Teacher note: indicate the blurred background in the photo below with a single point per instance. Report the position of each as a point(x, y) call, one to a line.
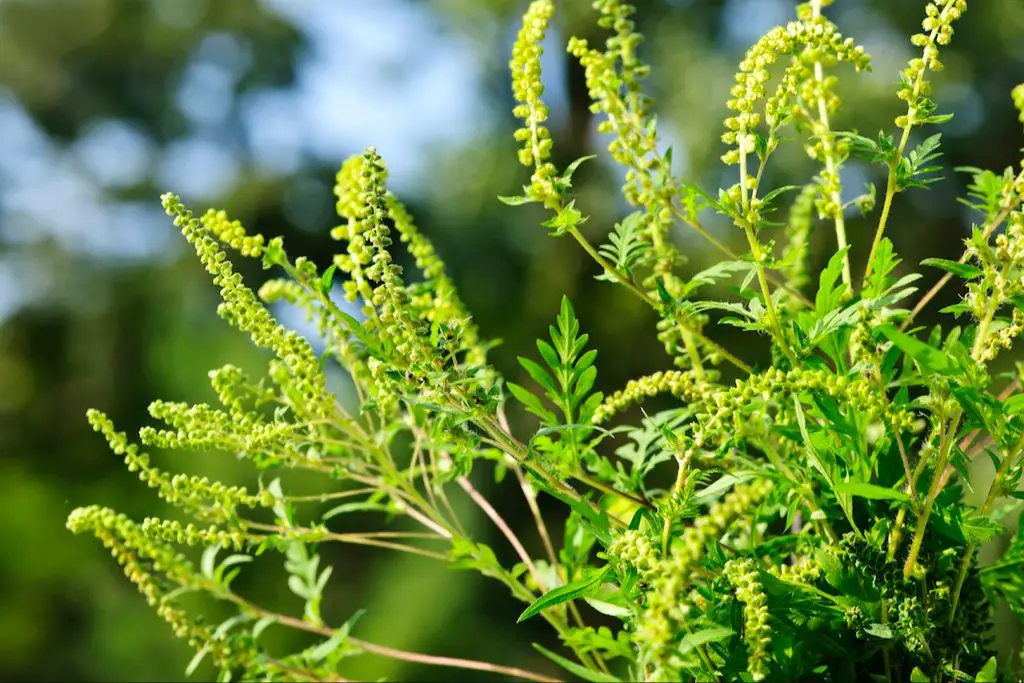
point(251, 105)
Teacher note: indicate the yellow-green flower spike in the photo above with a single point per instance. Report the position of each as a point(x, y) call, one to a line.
point(527, 89)
point(742, 574)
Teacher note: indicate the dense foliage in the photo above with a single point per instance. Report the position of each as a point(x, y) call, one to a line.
point(807, 519)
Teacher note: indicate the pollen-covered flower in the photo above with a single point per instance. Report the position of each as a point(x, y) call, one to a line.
point(527, 88)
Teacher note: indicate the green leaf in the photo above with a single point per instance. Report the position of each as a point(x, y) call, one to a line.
point(608, 608)
point(209, 561)
point(516, 200)
point(883, 631)
point(261, 626)
point(929, 357)
point(989, 673)
point(569, 591)
point(336, 641)
point(327, 279)
point(1014, 404)
point(229, 562)
point(196, 660)
point(865, 490)
point(723, 270)
point(361, 506)
point(574, 668)
point(936, 119)
point(539, 375)
point(566, 220)
point(704, 636)
point(777, 191)
point(626, 248)
point(829, 293)
point(531, 403)
point(918, 676)
point(571, 168)
point(274, 254)
point(961, 270)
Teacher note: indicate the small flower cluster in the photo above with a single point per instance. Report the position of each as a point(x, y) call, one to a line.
point(614, 79)
point(437, 297)
point(798, 233)
point(197, 495)
point(804, 570)
point(1001, 267)
point(636, 549)
point(241, 307)
point(527, 89)
point(375, 278)
point(141, 557)
point(173, 531)
point(825, 428)
point(743, 576)
point(750, 81)
point(233, 234)
point(773, 382)
point(666, 606)
point(938, 27)
point(685, 385)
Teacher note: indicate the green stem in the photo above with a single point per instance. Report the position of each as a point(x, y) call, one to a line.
point(933, 491)
point(993, 493)
point(773, 318)
point(666, 533)
point(890, 192)
point(831, 164)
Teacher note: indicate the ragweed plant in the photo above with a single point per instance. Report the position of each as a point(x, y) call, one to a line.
point(801, 521)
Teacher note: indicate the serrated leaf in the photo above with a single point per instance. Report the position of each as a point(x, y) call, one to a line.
point(531, 403)
point(722, 270)
point(539, 375)
point(569, 591)
point(829, 293)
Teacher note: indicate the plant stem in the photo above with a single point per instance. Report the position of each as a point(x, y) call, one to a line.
point(894, 164)
point(933, 491)
point(390, 652)
point(890, 192)
point(994, 489)
point(830, 159)
point(773, 318)
point(506, 531)
point(684, 468)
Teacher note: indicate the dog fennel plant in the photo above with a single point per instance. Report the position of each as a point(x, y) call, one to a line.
point(803, 521)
